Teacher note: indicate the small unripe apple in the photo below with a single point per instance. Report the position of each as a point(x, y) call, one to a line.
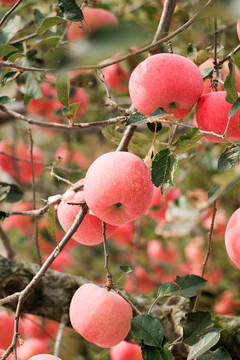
point(126, 351)
point(44, 357)
point(232, 238)
point(165, 80)
point(96, 19)
point(212, 115)
point(100, 316)
point(118, 187)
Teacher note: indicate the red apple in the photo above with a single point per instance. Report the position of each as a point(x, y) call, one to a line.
point(193, 251)
point(44, 357)
point(212, 115)
point(232, 238)
point(37, 327)
point(165, 80)
point(96, 18)
point(75, 157)
point(126, 351)
point(226, 305)
point(118, 187)
point(124, 234)
point(116, 77)
point(139, 282)
point(32, 347)
point(7, 327)
point(90, 230)
point(238, 29)
point(156, 251)
point(222, 74)
point(8, 2)
point(9, 165)
point(100, 316)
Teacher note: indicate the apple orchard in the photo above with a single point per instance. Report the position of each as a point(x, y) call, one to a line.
point(119, 180)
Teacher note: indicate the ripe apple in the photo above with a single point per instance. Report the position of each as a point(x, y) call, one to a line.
point(10, 357)
point(7, 327)
point(8, 2)
point(23, 223)
point(238, 28)
point(100, 316)
point(115, 77)
point(126, 351)
point(232, 238)
point(44, 357)
point(226, 305)
point(9, 165)
point(222, 74)
point(90, 230)
point(118, 187)
point(156, 251)
point(37, 327)
point(124, 234)
point(31, 347)
point(139, 282)
point(212, 115)
point(193, 251)
point(96, 18)
point(165, 80)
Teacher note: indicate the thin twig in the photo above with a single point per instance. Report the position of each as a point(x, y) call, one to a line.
point(215, 61)
point(8, 13)
point(24, 38)
point(209, 249)
point(7, 244)
point(129, 301)
point(109, 284)
point(59, 337)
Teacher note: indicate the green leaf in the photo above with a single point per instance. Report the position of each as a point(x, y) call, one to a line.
point(202, 56)
point(191, 51)
point(234, 109)
point(195, 324)
point(147, 329)
point(11, 29)
point(126, 269)
point(6, 100)
point(72, 111)
point(228, 158)
point(63, 87)
point(186, 286)
point(154, 353)
point(230, 85)
point(187, 141)
point(213, 190)
point(7, 49)
point(52, 222)
point(38, 17)
point(32, 87)
point(71, 11)
point(163, 168)
point(205, 343)
point(10, 192)
point(136, 118)
point(48, 23)
point(219, 354)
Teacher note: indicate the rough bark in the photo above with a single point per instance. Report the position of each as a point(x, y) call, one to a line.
point(53, 294)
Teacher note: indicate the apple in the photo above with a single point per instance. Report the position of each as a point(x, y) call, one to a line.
point(232, 238)
point(193, 251)
point(99, 315)
point(139, 282)
point(115, 77)
point(126, 351)
point(222, 74)
point(90, 230)
point(7, 327)
point(10, 357)
point(118, 187)
point(44, 357)
point(38, 327)
point(96, 18)
point(156, 251)
point(31, 347)
point(62, 262)
point(124, 234)
point(23, 223)
point(8, 2)
point(226, 305)
point(75, 157)
point(238, 28)
point(24, 174)
point(212, 115)
point(165, 80)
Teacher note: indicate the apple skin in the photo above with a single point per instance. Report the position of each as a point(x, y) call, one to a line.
point(238, 28)
point(100, 316)
point(126, 351)
point(36, 328)
point(115, 76)
point(124, 235)
point(226, 305)
point(10, 357)
point(156, 251)
point(31, 347)
point(118, 187)
point(165, 80)
point(8, 2)
point(232, 238)
point(22, 151)
point(90, 231)
point(212, 115)
point(23, 223)
point(44, 357)
point(222, 74)
point(7, 327)
point(96, 19)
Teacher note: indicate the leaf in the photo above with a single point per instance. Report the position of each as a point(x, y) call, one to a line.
point(187, 141)
point(48, 23)
point(71, 11)
point(52, 222)
point(136, 118)
point(11, 29)
point(10, 192)
point(206, 71)
point(186, 286)
point(219, 354)
point(32, 86)
point(7, 49)
point(163, 168)
point(6, 100)
point(230, 85)
point(213, 190)
point(38, 17)
point(63, 87)
point(154, 353)
point(195, 324)
point(191, 51)
point(234, 109)
point(147, 329)
point(228, 158)
point(72, 111)
point(205, 343)
point(201, 57)
point(126, 269)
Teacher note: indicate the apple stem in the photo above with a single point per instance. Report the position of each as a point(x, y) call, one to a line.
point(109, 285)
